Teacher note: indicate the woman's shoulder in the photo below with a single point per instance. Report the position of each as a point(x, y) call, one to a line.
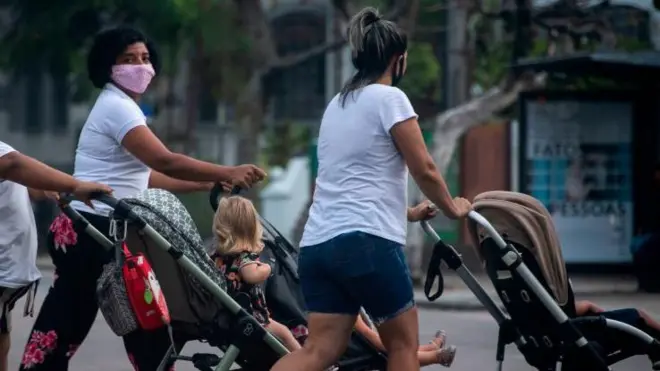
point(384, 90)
point(113, 106)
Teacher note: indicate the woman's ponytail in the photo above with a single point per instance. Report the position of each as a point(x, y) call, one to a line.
point(373, 42)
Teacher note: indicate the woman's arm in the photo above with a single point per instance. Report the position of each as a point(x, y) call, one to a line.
point(409, 140)
point(162, 181)
point(142, 143)
point(25, 170)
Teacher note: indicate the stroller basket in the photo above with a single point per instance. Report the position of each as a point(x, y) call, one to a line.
point(567, 342)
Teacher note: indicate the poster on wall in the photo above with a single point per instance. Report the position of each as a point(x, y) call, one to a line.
point(579, 164)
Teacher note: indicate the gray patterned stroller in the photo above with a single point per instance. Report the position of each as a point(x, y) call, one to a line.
point(159, 226)
point(516, 240)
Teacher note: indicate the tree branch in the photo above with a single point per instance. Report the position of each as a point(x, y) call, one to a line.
point(345, 8)
point(297, 58)
point(397, 11)
point(453, 123)
point(400, 9)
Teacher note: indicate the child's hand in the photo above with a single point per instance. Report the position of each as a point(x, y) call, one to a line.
point(255, 273)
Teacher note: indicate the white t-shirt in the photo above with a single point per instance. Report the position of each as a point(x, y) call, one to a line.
point(362, 181)
point(18, 233)
point(101, 158)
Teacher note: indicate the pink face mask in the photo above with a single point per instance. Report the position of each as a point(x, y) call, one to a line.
point(133, 77)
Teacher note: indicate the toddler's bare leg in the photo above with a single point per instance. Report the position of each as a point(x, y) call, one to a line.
point(284, 334)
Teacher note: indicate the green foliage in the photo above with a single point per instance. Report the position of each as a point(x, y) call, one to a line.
point(492, 65)
point(57, 31)
point(422, 80)
point(631, 44)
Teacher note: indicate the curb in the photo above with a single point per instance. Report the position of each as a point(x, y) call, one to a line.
point(459, 306)
point(466, 301)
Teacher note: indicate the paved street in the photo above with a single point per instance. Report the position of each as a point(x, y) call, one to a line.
point(474, 332)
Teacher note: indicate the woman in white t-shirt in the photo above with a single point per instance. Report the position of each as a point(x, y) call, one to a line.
point(24, 179)
point(351, 252)
point(118, 149)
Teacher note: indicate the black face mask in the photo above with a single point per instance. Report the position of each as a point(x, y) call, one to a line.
point(398, 73)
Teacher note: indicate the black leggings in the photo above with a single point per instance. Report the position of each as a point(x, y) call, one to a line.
point(70, 308)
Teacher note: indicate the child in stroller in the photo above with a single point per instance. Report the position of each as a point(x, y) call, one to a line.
point(238, 245)
point(633, 316)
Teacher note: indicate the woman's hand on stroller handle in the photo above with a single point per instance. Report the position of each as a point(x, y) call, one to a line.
point(244, 176)
point(220, 188)
point(458, 208)
point(475, 217)
point(425, 210)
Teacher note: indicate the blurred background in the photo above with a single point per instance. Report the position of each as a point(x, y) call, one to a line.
point(556, 98)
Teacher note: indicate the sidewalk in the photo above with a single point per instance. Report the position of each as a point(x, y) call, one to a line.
point(608, 291)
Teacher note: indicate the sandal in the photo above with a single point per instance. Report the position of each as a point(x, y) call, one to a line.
point(440, 339)
point(446, 355)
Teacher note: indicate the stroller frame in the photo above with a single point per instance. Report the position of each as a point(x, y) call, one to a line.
point(246, 327)
point(508, 333)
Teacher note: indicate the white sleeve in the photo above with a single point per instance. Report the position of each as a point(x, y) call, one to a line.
point(5, 149)
point(395, 109)
point(122, 119)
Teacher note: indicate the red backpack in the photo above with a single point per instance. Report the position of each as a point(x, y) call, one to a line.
point(144, 292)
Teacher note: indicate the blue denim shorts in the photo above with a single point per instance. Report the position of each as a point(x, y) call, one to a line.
point(356, 270)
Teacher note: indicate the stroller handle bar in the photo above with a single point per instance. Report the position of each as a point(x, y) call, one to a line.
point(216, 192)
point(81, 222)
point(477, 218)
point(492, 232)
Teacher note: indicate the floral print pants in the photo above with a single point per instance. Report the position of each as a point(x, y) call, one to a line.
point(70, 308)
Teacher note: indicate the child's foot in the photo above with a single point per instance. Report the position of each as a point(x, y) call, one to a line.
point(440, 339)
point(446, 355)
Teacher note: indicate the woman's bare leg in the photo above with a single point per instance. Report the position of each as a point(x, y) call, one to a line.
point(400, 335)
point(284, 334)
point(328, 338)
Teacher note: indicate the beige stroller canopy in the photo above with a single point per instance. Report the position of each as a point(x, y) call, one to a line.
point(524, 220)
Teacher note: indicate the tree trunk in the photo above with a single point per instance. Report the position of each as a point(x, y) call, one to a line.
point(448, 129)
point(249, 123)
point(193, 93)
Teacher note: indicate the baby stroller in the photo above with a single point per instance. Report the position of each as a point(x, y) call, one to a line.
point(157, 225)
point(517, 242)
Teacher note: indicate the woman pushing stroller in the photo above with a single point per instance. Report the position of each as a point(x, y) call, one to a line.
point(116, 148)
point(22, 179)
point(351, 252)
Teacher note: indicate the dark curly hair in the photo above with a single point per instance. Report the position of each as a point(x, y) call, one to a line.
point(108, 45)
